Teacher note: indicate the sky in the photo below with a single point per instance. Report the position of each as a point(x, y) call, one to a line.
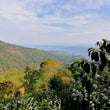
point(54, 22)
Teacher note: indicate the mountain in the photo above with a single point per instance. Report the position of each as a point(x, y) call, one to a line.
point(75, 49)
point(81, 49)
point(12, 56)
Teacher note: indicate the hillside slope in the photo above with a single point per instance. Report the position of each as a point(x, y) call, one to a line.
point(12, 56)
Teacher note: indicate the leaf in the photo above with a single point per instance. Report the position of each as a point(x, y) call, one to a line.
point(87, 68)
point(81, 64)
point(104, 44)
point(84, 81)
point(99, 44)
point(92, 56)
point(89, 49)
point(103, 58)
point(93, 69)
point(95, 56)
point(101, 67)
point(89, 53)
point(108, 48)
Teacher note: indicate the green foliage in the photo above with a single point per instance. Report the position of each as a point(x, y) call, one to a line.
point(43, 101)
point(89, 87)
point(30, 79)
point(65, 74)
point(56, 83)
point(93, 80)
point(75, 69)
point(6, 89)
point(47, 70)
point(15, 76)
point(63, 91)
point(49, 66)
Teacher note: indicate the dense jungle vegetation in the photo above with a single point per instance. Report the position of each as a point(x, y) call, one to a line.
point(81, 85)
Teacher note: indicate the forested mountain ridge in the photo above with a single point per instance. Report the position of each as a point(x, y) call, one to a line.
point(12, 56)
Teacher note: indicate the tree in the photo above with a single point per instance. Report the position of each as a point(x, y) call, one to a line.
point(56, 84)
point(30, 80)
point(49, 66)
point(75, 69)
point(7, 89)
point(65, 75)
point(48, 69)
point(94, 90)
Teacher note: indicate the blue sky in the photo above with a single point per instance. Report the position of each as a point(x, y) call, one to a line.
point(54, 22)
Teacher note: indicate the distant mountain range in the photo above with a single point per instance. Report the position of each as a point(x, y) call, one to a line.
point(12, 56)
point(81, 50)
point(75, 50)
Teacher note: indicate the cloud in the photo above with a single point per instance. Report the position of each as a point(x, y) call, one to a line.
point(53, 22)
point(15, 11)
point(93, 4)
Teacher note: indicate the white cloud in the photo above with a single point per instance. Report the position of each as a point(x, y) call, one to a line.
point(93, 4)
point(20, 22)
point(15, 11)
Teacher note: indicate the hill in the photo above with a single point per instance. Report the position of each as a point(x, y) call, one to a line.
point(17, 57)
